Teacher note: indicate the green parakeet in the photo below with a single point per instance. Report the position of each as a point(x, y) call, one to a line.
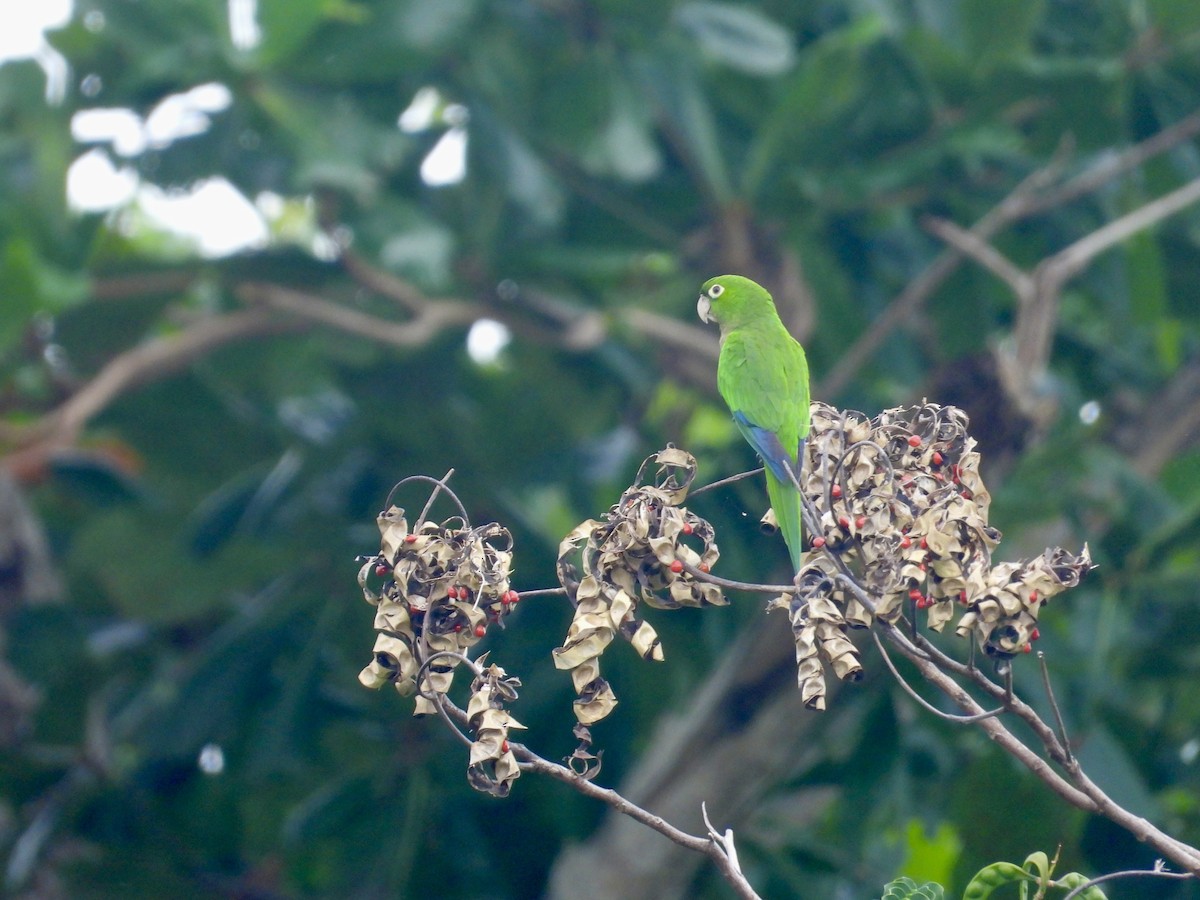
point(763, 375)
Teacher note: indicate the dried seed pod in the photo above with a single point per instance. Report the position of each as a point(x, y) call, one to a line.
point(642, 551)
point(492, 768)
point(447, 582)
point(902, 505)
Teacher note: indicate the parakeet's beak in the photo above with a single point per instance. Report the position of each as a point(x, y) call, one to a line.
point(703, 307)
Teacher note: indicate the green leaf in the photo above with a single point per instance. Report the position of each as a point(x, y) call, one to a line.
point(931, 856)
point(994, 31)
point(30, 285)
point(993, 876)
point(904, 888)
point(738, 36)
point(672, 78)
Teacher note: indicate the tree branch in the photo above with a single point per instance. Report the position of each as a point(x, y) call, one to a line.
point(1031, 197)
point(419, 330)
point(146, 362)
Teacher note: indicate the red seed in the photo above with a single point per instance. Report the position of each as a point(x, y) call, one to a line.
point(514, 598)
point(687, 528)
point(860, 521)
point(937, 458)
point(1027, 648)
point(914, 441)
point(924, 544)
point(677, 566)
point(818, 542)
point(457, 627)
point(452, 592)
point(464, 593)
point(905, 542)
point(704, 567)
point(381, 569)
point(962, 598)
point(844, 522)
point(835, 491)
point(1034, 635)
point(1033, 596)
point(410, 539)
point(480, 630)
point(504, 747)
point(914, 594)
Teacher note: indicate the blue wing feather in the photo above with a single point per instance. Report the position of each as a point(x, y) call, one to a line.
point(784, 466)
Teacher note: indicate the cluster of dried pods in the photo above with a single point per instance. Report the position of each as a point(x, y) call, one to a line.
point(897, 521)
point(435, 590)
point(900, 519)
point(641, 551)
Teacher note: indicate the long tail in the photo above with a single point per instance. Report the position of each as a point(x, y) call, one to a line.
point(785, 500)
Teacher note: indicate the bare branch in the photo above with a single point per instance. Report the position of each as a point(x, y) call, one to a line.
point(709, 847)
point(1113, 165)
point(671, 332)
point(1074, 259)
point(970, 244)
point(146, 362)
point(908, 689)
point(415, 332)
point(1030, 197)
point(403, 292)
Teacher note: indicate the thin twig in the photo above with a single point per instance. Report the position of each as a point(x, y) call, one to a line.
point(724, 481)
point(908, 689)
point(1058, 719)
point(438, 487)
point(1156, 872)
point(543, 592)
point(725, 842)
point(439, 699)
point(701, 575)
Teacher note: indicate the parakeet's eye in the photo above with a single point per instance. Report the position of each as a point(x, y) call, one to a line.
point(716, 291)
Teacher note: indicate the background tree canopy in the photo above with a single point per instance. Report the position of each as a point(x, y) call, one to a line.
point(204, 437)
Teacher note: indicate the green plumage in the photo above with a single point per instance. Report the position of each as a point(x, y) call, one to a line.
point(762, 374)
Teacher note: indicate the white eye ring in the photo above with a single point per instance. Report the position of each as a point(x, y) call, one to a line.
point(716, 291)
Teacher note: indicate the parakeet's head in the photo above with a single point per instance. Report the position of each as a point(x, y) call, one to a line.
point(732, 301)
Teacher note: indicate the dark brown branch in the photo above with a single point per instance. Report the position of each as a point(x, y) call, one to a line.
point(146, 362)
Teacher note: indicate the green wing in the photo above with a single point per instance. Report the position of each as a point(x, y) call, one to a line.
point(763, 377)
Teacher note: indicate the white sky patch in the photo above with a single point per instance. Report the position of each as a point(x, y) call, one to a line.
point(120, 127)
point(21, 37)
point(486, 341)
point(446, 163)
point(1089, 413)
point(94, 184)
point(244, 31)
point(174, 117)
point(214, 214)
point(421, 112)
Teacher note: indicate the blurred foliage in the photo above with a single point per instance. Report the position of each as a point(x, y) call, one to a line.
point(205, 525)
